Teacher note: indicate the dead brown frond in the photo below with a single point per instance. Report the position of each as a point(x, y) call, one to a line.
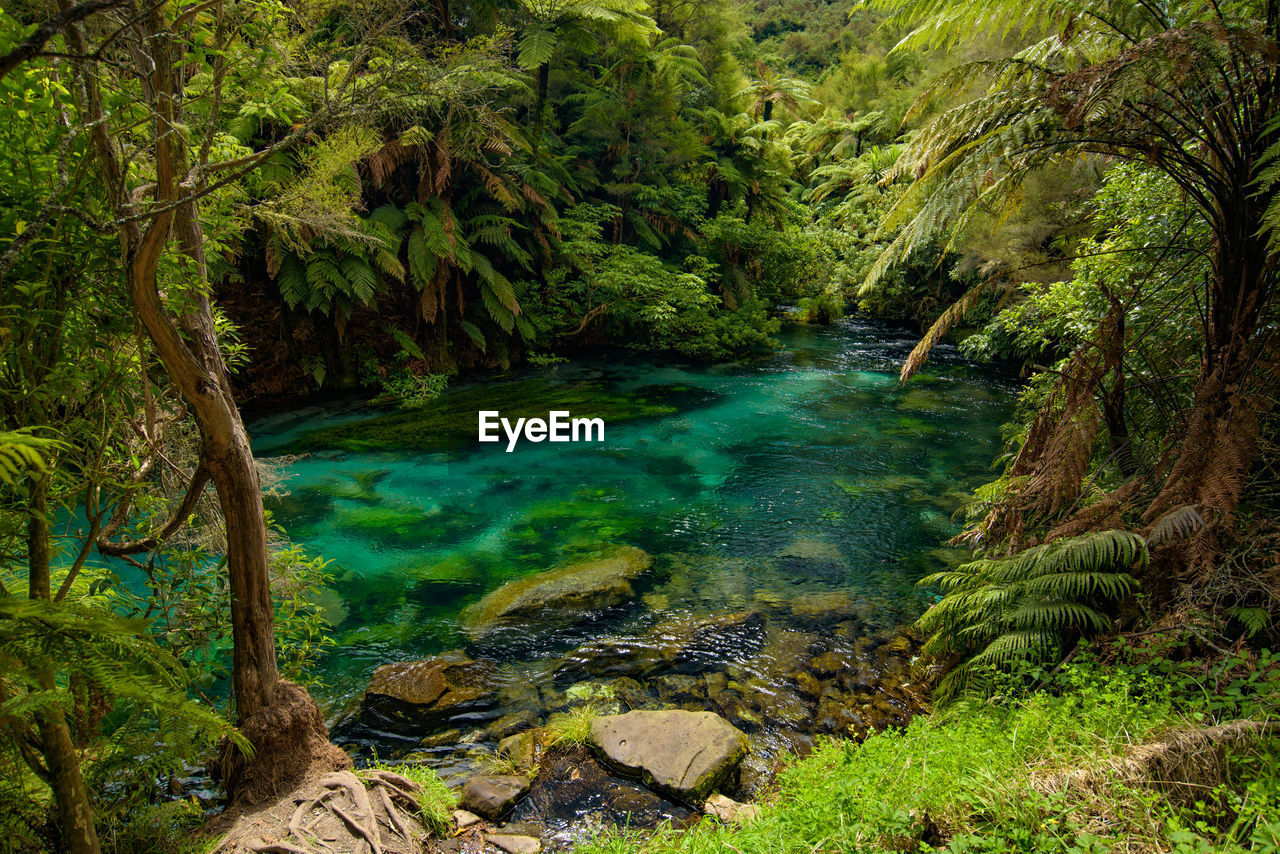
point(383, 163)
point(1184, 765)
point(1050, 468)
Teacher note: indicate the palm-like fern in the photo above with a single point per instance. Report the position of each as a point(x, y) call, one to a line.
point(98, 653)
point(770, 89)
point(1028, 606)
point(1190, 88)
point(21, 451)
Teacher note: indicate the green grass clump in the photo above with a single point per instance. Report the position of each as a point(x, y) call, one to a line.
point(963, 780)
point(572, 727)
point(436, 801)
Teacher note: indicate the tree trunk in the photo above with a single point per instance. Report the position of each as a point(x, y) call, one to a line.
point(278, 718)
point(540, 104)
point(1217, 442)
point(75, 813)
point(227, 454)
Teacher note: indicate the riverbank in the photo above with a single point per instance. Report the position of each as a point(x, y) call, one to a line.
point(1120, 751)
point(1134, 755)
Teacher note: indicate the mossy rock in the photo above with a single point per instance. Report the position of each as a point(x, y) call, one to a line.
point(558, 596)
point(413, 696)
point(443, 581)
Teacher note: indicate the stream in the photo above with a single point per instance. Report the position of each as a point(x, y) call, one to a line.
point(789, 505)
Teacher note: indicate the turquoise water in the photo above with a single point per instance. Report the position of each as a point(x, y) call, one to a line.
point(810, 471)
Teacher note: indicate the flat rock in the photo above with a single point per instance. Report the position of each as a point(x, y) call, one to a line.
point(683, 754)
point(730, 811)
point(464, 818)
point(492, 797)
point(417, 694)
point(514, 844)
point(560, 595)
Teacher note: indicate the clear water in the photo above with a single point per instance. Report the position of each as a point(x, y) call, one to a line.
point(812, 470)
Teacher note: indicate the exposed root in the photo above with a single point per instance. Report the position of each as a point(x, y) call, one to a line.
point(336, 813)
point(291, 745)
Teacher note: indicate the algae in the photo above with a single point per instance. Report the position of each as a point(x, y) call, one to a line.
point(451, 421)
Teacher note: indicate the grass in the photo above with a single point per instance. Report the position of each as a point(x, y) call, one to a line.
point(572, 727)
point(436, 801)
point(971, 779)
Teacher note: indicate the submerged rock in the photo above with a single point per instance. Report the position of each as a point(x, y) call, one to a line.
point(560, 595)
point(574, 792)
point(492, 797)
point(683, 754)
point(420, 694)
point(675, 645)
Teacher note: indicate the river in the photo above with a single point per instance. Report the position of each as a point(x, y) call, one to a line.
point(790, 503)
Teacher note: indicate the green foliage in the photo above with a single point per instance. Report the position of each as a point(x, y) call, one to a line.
point(1002, 611)
point(105, 665)
point(302, 632)
point(22, 453)
point(968, 779)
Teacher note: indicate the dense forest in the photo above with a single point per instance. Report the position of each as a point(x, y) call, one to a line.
point(216, 209)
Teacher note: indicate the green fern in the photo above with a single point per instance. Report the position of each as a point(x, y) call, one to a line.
point(98, 654)
point(1029, 606)
point(21, 451)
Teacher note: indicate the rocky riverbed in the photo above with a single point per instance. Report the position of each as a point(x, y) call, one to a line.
point(780, 670)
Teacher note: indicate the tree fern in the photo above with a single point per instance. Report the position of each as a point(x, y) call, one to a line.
point(113, 658)
point(1030, 605)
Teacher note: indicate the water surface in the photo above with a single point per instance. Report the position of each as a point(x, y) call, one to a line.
point(754, 486)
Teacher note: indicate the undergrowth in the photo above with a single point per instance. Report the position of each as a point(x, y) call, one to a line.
point(971, 777)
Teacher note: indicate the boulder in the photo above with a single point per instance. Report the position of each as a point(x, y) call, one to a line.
point(558, 596)
point(492, 797)
point(683, 754)
point(413, 695)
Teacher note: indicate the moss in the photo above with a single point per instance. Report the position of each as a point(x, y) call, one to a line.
point(409, 525)
point(922, 400)
point(451, 421)
point(443, 582)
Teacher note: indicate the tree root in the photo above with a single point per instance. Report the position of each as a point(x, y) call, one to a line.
point(340, 803)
